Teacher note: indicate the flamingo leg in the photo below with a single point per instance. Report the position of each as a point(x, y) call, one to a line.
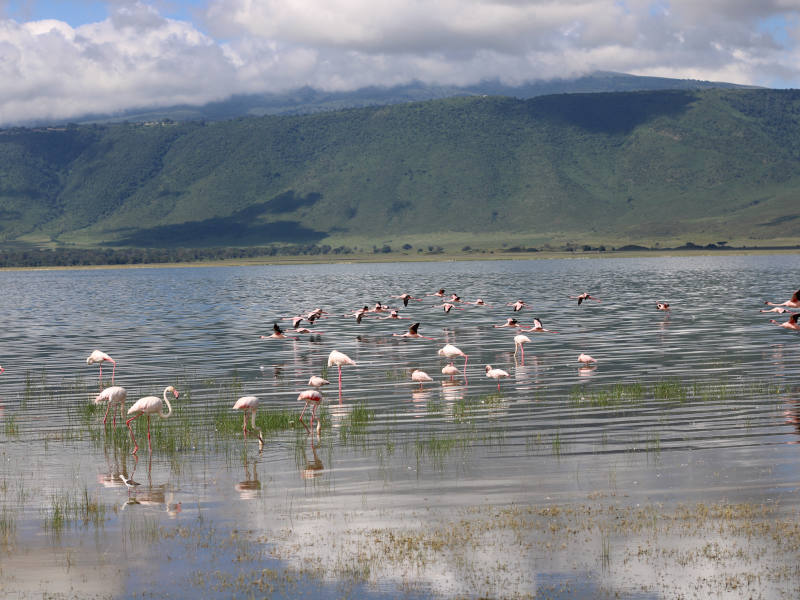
point(301, 418)
point(314, 414)
point(340, 381)
point(522, 350)
point(106, 415)
point(149, 447)
point(465, 367)
point(244, 425)
point(113, 370)
point(133, 439)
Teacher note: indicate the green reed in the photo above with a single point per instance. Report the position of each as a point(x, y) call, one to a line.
point(67, 509)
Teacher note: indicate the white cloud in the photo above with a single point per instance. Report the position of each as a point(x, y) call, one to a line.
point(137, 57)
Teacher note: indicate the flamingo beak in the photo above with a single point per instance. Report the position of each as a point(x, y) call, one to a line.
point(175, 393)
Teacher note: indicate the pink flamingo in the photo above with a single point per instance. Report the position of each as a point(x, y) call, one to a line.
point(412, 333)
point(509, 323)
point(584, 296)
point(537, 327)
point(496, 374)
point(2, 370)
point(793, 302)
point(586, 359)
point(519, 340)
point(113, 396)
point(317, 382)
point(149, 405)
point(450, 352)
point(312, 397)
point(790, 324)
point(339, 358)
point(518, 305)
point(451, 370)
point(662, 306)
point(98, 357)
point(249, 405)
point(777, 309)
point(405, 297)
point(277, 333)
point(420, 377)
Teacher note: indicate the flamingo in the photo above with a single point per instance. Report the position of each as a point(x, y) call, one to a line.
point(317, 382)
point(519, 340)
point(405, 297)
point(777, 309)
point(420, 377)
point(584, 296)
point(586, 359)
point(113, 396)
point(98, 357)
point(451, 370)
point(793, 302)
point(277, 333)
point(339, 358)
point(2, 370)
point(496, 374)
point(412, 333)
point(537, 327)
point(662, 306)
point(518, 305)
point(249, 405)
point(312, 397)
point(509, 323)
point(790, 324)
point(149, 405)
point(450, 352)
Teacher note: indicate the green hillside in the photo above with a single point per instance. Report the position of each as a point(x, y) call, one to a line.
point(615, 168)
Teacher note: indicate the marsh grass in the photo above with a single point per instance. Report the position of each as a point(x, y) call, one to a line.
point(67, 509)
point(8, 528)
point(354, 426)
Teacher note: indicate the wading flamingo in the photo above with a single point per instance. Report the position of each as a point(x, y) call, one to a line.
point(249, 405)
point(312, 397)
point(317, 382)
point(149, 405)
point(662, 306)
point(113, 396)
point(450, 352)
point(451, 370)
point(339, 358)
point(586, 359)
point(519, 340)
point(98, 357)
point(793, 302)
point(420, 377)
point(496, 374)
point(790, 324)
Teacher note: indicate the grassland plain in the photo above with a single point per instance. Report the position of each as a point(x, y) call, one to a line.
point(647, 168)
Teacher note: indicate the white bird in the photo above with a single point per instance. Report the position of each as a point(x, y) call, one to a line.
point(496, 374)
point(249, 406)
point(450, 352)
point(113, 396)
point(339, 358)
point(149, 405)
point(317, 382)
point(312, 397)
point(99, 357)
point(519, 340)
point(420, 377)
point(586, 359)
point(451, 370)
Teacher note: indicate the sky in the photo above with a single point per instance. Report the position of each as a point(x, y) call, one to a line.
point(62, 59)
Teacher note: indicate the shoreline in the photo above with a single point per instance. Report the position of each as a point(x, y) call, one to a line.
point(408, 257)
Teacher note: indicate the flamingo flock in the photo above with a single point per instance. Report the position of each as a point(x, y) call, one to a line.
point(114, 397)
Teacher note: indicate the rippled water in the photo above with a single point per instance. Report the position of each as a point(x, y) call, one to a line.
point(715, 421)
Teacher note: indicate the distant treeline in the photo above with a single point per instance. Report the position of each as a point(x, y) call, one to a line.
point(67, 257)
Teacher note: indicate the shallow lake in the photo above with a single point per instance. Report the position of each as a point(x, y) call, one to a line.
point(669, 468)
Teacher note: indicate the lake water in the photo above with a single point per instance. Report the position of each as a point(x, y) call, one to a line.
point(670, 468)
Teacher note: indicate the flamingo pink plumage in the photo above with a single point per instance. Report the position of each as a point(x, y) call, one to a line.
point(312, 397)
point(249, 406)
point(420, 377)
point(113, 396)
point(450, 352)
point(339, 358)
point(99, 357)
point(451, 370)
point(496, 374)
point(519, 340)
point(149, 405)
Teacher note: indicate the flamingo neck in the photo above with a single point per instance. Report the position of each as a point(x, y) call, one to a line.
point(169, 406)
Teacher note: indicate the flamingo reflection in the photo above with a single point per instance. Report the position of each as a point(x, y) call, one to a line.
point(314, 467)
